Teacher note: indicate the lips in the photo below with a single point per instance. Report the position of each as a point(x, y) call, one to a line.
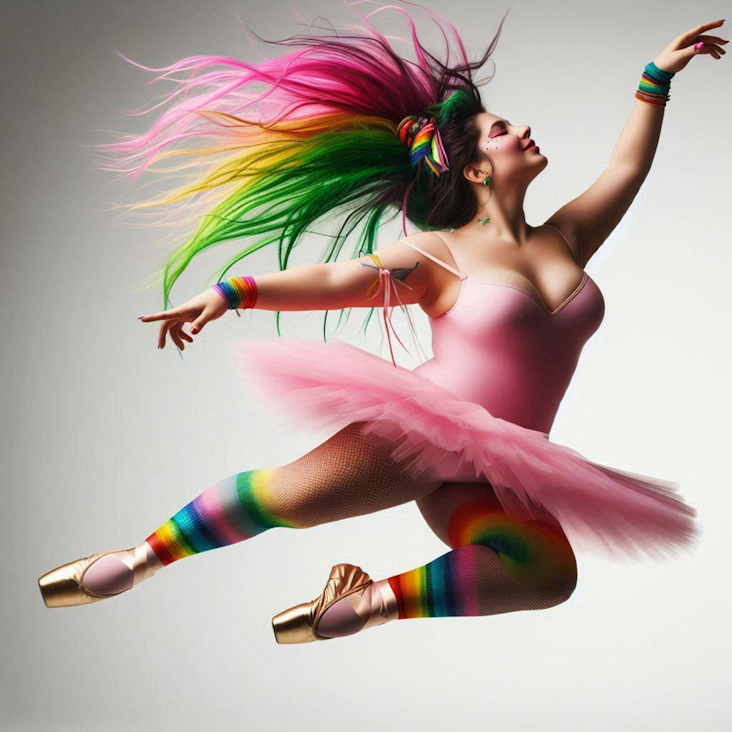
point(530, 145)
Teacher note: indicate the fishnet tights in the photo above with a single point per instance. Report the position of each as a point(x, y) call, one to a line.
point(497, 563)
point(509, 564)
point(503, 565)
point(351, 474)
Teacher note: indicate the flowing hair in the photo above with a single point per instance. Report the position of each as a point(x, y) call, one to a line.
point(318, 143)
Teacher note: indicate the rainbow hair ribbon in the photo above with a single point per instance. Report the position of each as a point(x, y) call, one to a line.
point(421, 135)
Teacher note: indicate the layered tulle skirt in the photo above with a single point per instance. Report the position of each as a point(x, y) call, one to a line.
point(434, 434)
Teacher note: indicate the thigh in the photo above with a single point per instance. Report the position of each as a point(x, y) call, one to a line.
point(437, 507)
point(534, 552)
point(441, 505)
point(350, 474)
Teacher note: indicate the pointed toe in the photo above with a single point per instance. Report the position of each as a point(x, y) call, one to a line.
point(294, 625)
point(298, 624)
point(62, 587)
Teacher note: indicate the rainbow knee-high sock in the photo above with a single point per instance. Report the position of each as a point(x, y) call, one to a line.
point(450, 585)
point(444, 587)
point(229, 511)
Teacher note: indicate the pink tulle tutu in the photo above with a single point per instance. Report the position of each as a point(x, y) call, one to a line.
point(317, 385)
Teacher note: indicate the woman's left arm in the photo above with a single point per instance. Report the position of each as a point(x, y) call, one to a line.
point(594, 214)
point(638, 141)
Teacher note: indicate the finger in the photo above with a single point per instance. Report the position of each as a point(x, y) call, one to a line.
point(200, 321)
point(164, 327)
point(178, 329)
point(711, 49)
point(176, 339)
point(166, 314)
point(712, 39)
point(694, 32)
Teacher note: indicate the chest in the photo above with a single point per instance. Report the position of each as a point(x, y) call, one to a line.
point(499, 314)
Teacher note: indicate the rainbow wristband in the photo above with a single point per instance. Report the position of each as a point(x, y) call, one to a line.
point(238, 292)
point(655, 85)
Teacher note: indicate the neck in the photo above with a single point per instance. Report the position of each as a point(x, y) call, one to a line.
point(506, 214)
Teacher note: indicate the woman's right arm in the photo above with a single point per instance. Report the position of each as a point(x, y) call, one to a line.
point(326, 286)
point(354, 283)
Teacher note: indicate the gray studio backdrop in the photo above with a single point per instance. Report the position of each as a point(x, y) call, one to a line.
point(105, 437)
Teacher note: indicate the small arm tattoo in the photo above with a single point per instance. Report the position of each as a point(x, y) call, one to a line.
point(399, 273)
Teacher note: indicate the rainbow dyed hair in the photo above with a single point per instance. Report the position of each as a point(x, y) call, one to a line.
point(319, 144)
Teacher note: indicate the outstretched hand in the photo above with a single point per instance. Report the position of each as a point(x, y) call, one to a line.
point(692, 43)
point(201, 309)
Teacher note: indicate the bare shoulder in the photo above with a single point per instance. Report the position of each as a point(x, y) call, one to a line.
point(444, 277)
point(436, 249)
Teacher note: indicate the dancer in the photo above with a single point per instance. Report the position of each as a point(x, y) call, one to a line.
point(347, 123)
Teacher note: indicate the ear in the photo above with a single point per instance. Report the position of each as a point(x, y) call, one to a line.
point(473, 173)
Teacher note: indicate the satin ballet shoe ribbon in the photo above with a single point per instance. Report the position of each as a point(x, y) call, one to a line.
point(386, 284)
point(363, 604)
point(137, 562)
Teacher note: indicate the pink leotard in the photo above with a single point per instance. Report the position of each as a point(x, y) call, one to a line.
point(480, 411)
point(501, 347)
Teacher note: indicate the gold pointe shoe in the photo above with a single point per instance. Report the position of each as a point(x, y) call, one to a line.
point(298, 624)
point(64, 586)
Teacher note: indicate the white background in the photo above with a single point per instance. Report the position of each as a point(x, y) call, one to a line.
point(105, 437)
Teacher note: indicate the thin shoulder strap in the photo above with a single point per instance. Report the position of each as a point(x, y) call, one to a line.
point(434, 259)
point(578, 259)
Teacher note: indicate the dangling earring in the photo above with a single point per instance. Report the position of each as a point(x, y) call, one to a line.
point(487, 183)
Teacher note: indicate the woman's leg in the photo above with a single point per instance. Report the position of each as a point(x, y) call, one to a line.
point(498, 564)
point(350, 474)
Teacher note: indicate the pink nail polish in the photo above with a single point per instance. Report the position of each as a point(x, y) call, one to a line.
point(699, 46)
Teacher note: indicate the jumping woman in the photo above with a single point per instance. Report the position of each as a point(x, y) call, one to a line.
point(342, 127)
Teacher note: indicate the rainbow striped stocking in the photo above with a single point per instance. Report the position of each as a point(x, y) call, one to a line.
point(499, 564)
point(229, 511)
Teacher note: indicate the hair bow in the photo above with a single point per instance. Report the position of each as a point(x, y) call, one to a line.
point(421, 135)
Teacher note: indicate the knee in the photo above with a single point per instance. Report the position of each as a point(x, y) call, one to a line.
point(303, 512)
point(294, 511)
point(547, 574)
point(562, 583)
point(556, 562)
point(303, 502)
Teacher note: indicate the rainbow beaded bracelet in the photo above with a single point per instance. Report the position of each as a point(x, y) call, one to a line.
point(655, 85)
point(238, 292)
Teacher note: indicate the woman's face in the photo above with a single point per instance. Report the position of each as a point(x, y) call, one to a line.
point(509, 150)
